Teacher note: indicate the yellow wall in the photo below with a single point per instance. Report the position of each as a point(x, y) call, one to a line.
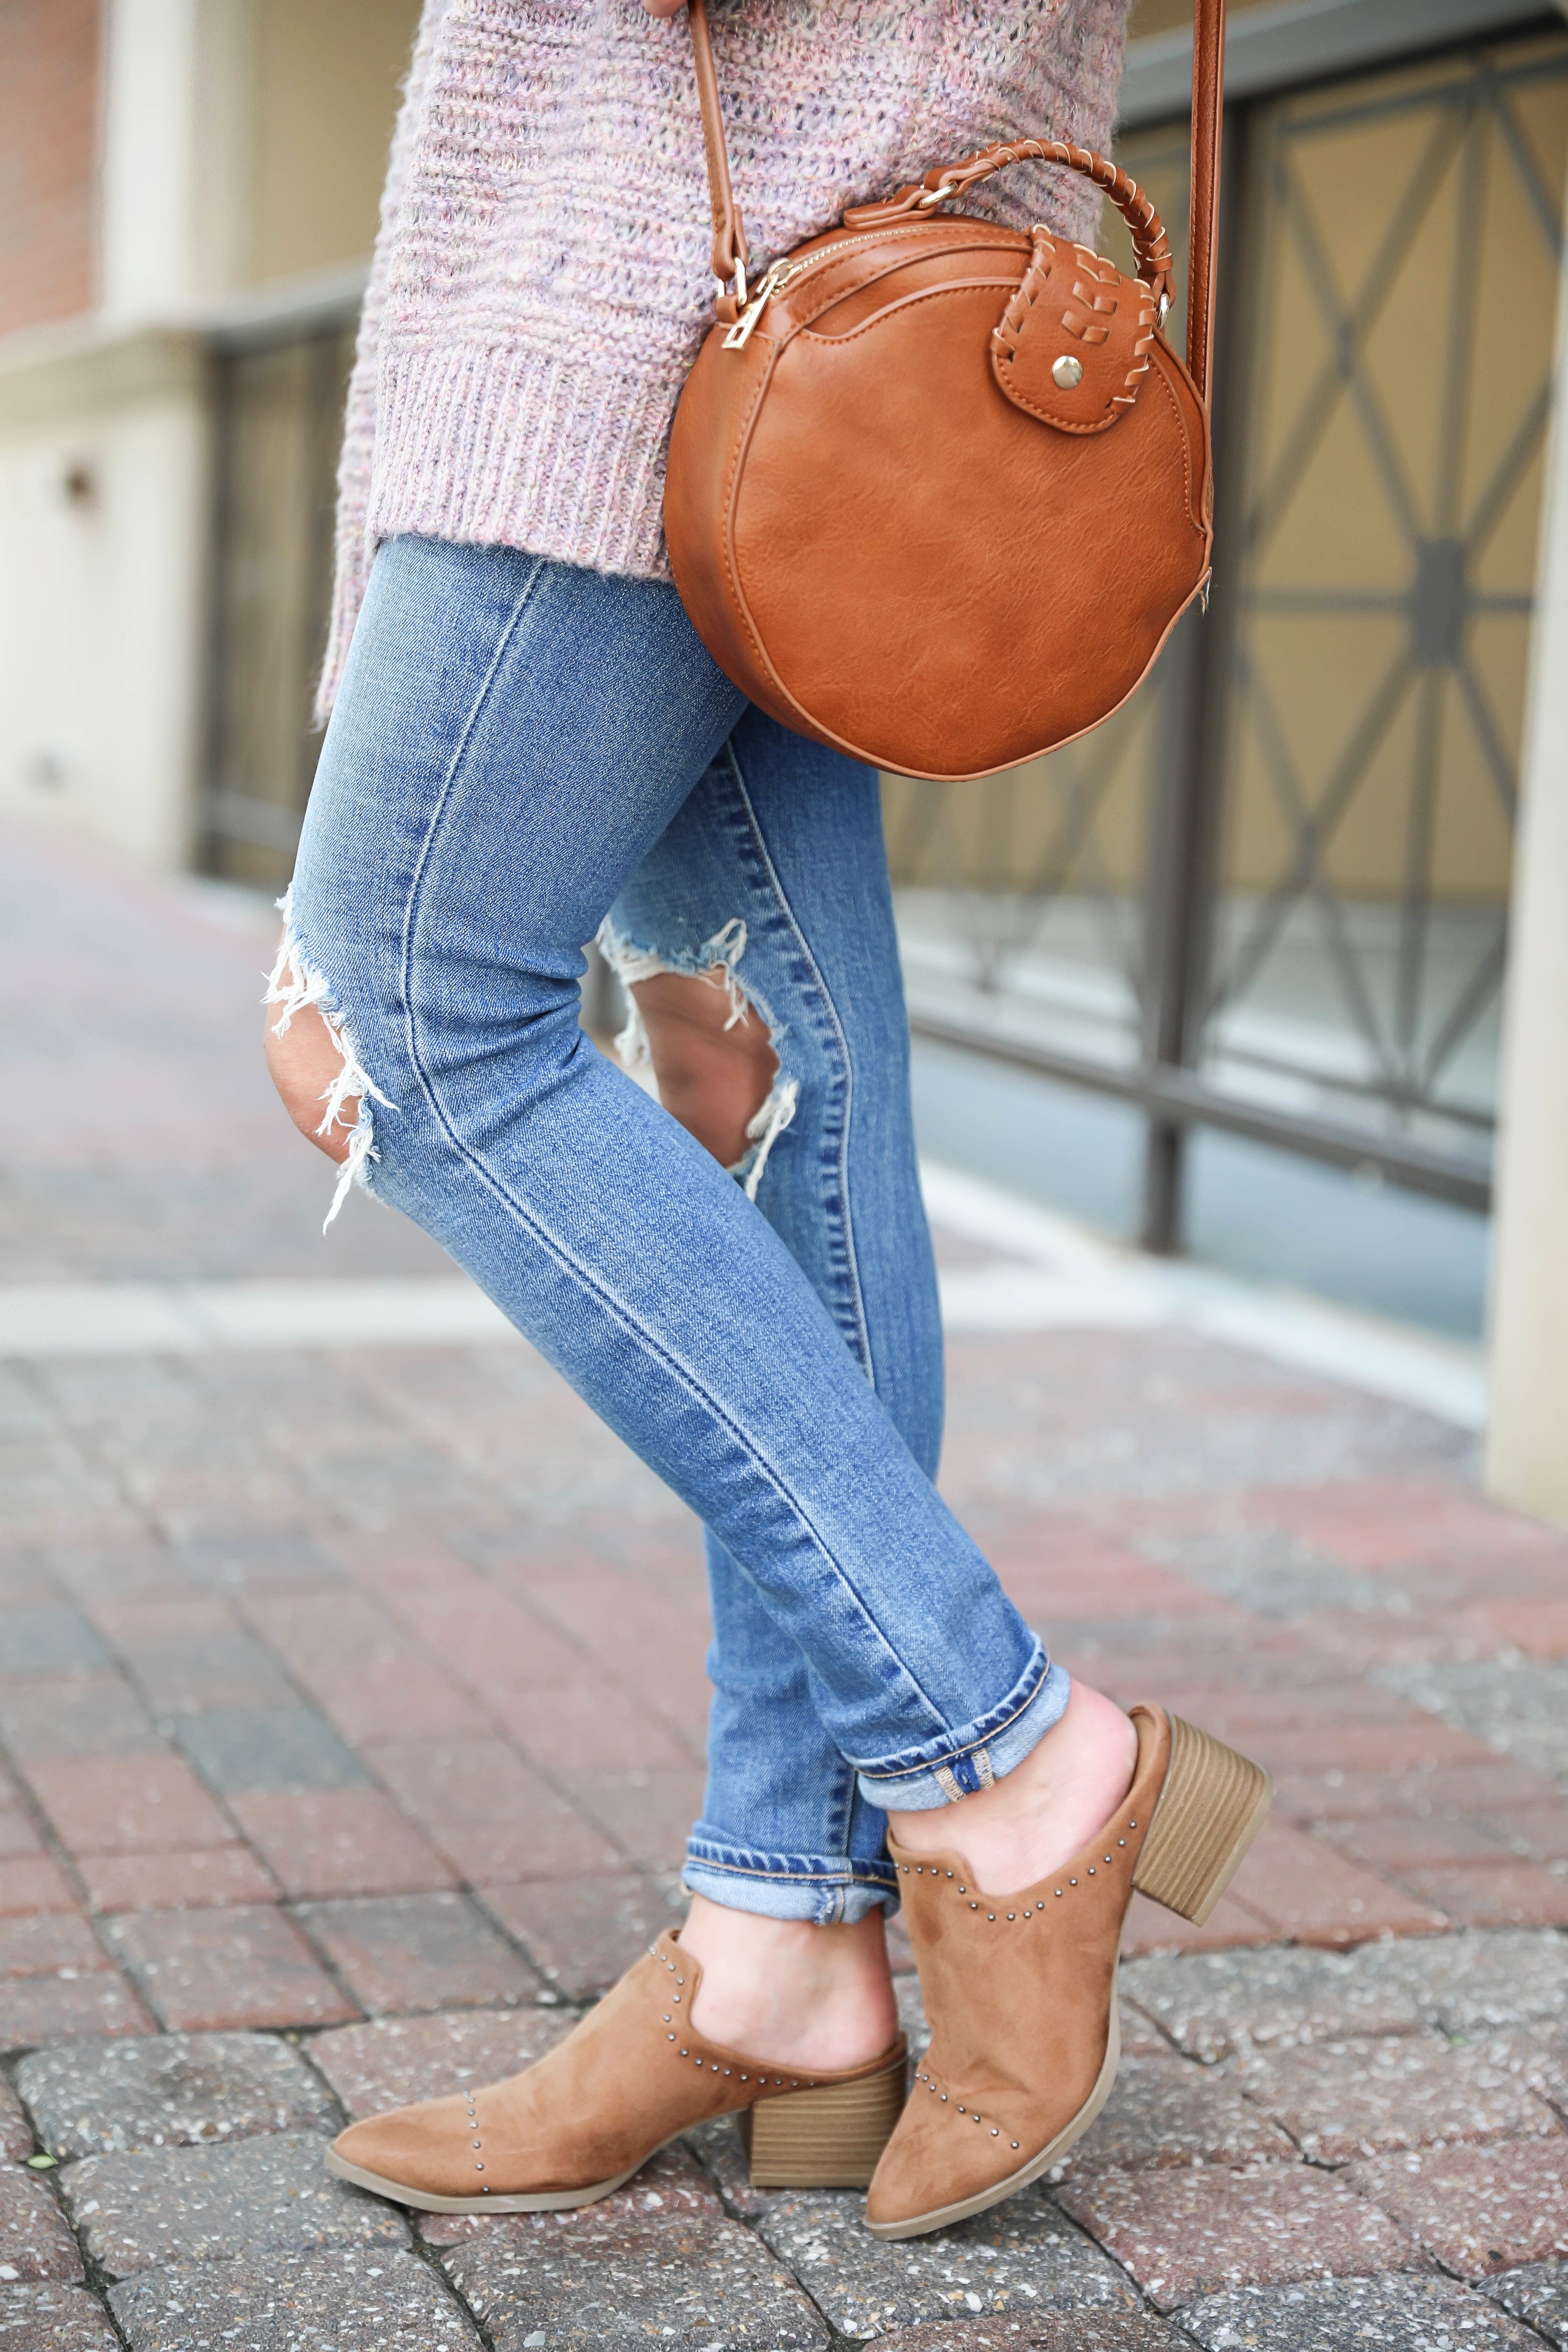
point(327, 78)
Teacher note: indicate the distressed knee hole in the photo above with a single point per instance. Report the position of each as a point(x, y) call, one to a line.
point(712, 1046)
point(316, 1067)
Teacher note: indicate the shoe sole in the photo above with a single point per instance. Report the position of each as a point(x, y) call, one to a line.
point(1209, 1812)
point(542, 2200)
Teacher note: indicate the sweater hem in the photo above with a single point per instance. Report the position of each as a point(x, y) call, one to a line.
point(506, 448)
point(521, 449)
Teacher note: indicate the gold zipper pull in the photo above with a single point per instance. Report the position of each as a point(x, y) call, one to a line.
point(740, 334)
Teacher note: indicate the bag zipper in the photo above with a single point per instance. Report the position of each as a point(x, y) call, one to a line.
point(780, 274)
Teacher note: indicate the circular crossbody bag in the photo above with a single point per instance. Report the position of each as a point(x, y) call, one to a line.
point(938, 492)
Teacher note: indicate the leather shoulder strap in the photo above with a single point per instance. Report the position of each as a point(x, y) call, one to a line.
point(1203, 233)
point(729, 254)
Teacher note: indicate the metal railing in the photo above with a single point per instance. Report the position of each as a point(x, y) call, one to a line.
point(1271, 896)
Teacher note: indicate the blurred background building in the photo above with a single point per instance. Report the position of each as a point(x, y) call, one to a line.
point(1231, 974)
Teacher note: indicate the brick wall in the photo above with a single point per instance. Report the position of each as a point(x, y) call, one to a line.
point(48, 134)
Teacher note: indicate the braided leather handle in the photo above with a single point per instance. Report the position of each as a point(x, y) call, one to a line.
point(945, 182)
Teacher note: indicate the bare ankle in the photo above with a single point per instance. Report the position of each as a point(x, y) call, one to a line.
point(1046, 1809)
point(790, 1993)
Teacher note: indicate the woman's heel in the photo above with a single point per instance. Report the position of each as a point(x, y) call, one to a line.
point(829, 2138)
point(1212, 1806)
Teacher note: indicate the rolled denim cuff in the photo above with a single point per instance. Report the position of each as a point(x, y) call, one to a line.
point(960, 1764)
point(827, 1890)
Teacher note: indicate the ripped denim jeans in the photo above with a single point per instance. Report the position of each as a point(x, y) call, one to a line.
point(525, 755)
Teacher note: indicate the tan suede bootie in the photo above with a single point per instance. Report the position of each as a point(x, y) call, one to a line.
point(630, 2077)
point(1020, 1989)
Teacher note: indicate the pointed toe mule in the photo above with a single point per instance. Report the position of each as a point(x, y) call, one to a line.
point(1020, 1989)
point(631, 2076)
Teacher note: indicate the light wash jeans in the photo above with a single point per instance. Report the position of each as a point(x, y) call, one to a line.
point(521, 753)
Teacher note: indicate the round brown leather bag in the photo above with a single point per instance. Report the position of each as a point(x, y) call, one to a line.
point(938, 491)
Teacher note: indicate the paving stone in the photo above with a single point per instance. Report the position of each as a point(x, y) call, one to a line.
point(93, 2098)
point(139, 2211)
point(418, 1951)
point(48, 1642)
point(1403, 1843)
point(95, 1714)
point(1364, 2097)
point(1535, 2055)
point(175, 1882)
point(1477, 2209)
point(398, 2060)
point(1167, 2111)
point(267, 1750)
point(1024, 2255)
point(1213, 2002)
point(684, 2280)
point(125, 1573)
point(1502, 1893)
point(1058, 2331)
point(334, 1842)
point(1271, 1573)
point(54, 2319)
point(1182, 2234)
point(48, 2009)
point(190, 1670)
point(16, 2131)
point(50, 1943)
point(1398, 2313)
point(583, 1934)
point(35, 2241)
point(716, 2147)
point(489, 1812)
point(138, 1804)
point(1537, 1831)
point(247, 1966)
point(1518, 1705)
point(340, 2299)
point(1317, 1895)
point(268, 1563)
point(1467, 1983)
point(1337, 1795)
point(1539, 2294)
point(33, 1883)
point(648, 1813)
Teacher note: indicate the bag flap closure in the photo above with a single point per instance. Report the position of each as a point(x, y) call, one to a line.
point(1072, 346)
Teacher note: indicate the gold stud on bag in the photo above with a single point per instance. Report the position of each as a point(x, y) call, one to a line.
point(938, 492)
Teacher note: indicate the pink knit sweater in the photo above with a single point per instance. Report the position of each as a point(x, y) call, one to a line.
point(542, 282)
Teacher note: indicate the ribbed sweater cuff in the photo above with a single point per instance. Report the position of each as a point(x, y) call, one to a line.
point(561, 457)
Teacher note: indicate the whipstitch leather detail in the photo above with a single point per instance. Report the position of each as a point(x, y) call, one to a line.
point(1088, 315)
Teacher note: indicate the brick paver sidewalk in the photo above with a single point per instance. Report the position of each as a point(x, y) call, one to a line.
point(352, 1704)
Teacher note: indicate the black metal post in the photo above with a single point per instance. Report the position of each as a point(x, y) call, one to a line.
point(1183, 843)
point(1176, 907)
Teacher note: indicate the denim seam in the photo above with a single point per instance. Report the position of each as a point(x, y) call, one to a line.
point(849, 1876)
point(914, 1772)
point(563, 1256)
point(861, 1325)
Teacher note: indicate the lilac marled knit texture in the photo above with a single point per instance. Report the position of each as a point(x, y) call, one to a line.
point(542, 284)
